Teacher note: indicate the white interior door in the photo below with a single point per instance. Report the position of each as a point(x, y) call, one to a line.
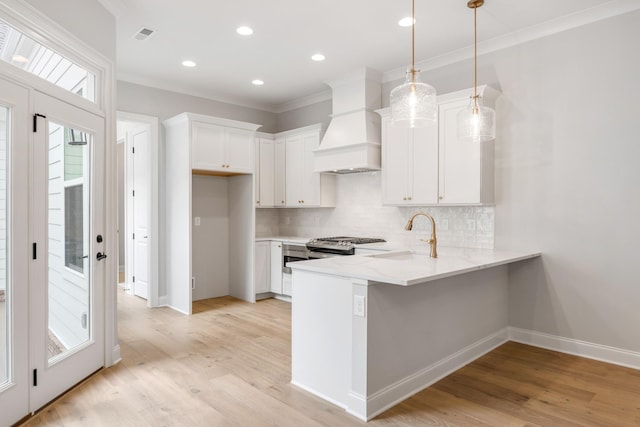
point(67, 267)
point(14, 242)
point(141, 138)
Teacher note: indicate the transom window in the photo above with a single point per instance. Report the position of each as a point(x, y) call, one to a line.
point(27, 54)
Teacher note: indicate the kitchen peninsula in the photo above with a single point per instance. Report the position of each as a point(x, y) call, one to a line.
point(369, 331)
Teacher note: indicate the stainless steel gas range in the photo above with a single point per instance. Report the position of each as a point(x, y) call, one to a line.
point(322, 247)
point(339, 245)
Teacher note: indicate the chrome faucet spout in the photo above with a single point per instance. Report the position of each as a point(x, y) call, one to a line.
point(433, 241)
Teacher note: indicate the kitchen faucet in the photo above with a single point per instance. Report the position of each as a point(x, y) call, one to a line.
point(432, 241)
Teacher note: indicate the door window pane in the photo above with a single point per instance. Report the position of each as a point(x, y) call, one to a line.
point(23, 52)
point(5, 291)
point(68, 230)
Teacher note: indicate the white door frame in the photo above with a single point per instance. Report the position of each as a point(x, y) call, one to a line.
point(153, 123)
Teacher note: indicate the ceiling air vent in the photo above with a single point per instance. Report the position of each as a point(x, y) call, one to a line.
point(143, 33)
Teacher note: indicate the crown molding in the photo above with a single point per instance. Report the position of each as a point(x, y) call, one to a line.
point(554, 26)
point(314, 98)
point(161, 85)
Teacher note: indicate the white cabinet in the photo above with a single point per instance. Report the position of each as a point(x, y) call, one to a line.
point(279, 182)
point(303, 186)
point(276, 267)
point(262, 267)
point(221, 147)
point(466, 168)
point(430, 166)
point(210, 220)
point(285, 171)
point(409, 164)
point(265, 178)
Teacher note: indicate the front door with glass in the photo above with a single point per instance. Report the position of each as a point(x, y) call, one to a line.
point(67, 320)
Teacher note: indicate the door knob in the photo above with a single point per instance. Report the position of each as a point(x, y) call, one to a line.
point(100, 256)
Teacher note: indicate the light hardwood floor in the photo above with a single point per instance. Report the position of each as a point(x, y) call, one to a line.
point(229, 365)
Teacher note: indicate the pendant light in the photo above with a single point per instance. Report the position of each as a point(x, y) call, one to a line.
point(413, 104)
point(476, 123)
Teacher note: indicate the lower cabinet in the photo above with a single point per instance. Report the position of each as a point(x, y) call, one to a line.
point(268, 269)
point(262, 267)
point(275, 275)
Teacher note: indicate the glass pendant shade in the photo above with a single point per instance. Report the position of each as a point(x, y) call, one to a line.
point(413, 104)
point(476, 123)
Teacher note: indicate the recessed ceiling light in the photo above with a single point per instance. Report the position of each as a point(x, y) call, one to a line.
point(318, 57)
point(19, 58)
point(406, 22)
point(258, 82)
point(244, 31)
point(188, 63)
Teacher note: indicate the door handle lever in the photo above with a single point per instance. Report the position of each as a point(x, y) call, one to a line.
point(100, 256)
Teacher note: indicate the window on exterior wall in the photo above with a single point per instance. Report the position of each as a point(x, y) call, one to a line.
point(27, 54)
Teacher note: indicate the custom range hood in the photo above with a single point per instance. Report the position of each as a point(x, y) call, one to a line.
point(352, 141)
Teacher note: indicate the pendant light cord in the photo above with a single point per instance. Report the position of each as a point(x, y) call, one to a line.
point(475, 56)
point(413, 40)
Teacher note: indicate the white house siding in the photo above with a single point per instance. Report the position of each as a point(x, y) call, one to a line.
point(68, 292)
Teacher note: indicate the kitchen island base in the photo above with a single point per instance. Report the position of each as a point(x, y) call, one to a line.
point(365, 346)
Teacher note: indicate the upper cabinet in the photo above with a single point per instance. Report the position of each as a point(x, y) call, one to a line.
point(265, 164)
point(303, 186)
point(430, 166)
point(287, 168)
point(218, 146)
point(409, 164)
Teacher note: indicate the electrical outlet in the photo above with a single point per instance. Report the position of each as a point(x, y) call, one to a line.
point(359, 305)
point(287, 220)
point(197, 221)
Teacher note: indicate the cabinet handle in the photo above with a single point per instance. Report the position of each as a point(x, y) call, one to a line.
point(282, 202)
point(404, 198)
point(408, 198)
point(441, 197)
point(258, 202)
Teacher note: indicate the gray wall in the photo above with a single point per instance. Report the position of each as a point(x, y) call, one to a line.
point(305, 116)
point(134, 98)
point(567, 176)
point(87, 20)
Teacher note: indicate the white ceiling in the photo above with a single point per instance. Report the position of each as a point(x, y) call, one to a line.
point(350, 33)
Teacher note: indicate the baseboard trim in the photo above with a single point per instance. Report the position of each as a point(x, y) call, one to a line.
point(115, 355)
point(163, 301)
point(320, 395)
point(407, 387)
point(603, 353)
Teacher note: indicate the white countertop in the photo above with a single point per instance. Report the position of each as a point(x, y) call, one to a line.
point(406, 268)
point(290, 239)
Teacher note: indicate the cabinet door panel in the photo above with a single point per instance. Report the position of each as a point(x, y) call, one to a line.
point(294, 166)
point(459, 161)
point(239, 150)
point(207, 147)
point(424, 186)
point(310, 179)
point(262, 273)
point(279, 193)
point(276, 267)
point(265, 171)
point(395, 164)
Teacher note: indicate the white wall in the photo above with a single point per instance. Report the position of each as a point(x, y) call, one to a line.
point(89, 21)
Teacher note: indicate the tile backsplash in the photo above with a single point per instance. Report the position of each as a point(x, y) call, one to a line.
point(359, 212)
